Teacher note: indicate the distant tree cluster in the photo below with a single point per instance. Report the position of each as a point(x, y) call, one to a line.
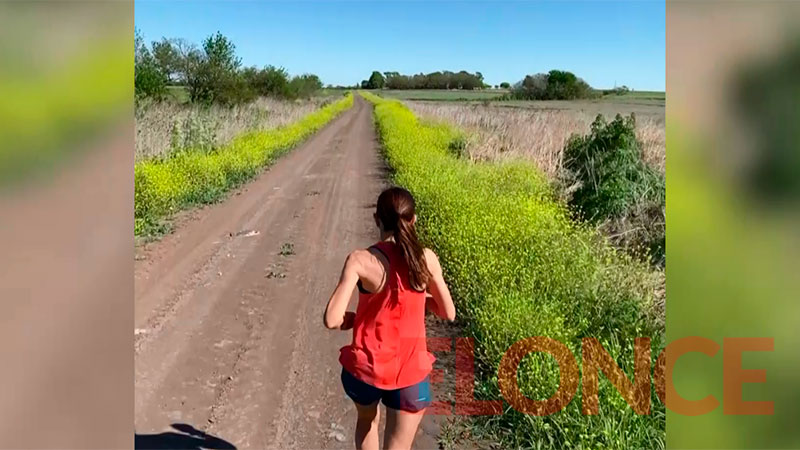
point(554, 85)
point(434, 80)
point(211, 73)
point(376, 81)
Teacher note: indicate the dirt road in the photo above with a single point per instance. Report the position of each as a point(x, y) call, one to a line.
point(230, 346)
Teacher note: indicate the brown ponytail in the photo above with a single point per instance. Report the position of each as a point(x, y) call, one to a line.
point(396, 210)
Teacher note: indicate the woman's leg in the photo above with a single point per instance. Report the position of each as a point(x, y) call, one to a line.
point(401, 428)
point(366, 399)
point(367, 426)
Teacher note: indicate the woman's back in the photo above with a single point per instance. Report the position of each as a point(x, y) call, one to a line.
point(388, 349)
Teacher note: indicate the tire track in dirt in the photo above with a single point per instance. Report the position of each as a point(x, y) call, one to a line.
point(229, 332)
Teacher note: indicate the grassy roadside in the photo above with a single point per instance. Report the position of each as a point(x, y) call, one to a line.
point(163, 187)
point(519, 267)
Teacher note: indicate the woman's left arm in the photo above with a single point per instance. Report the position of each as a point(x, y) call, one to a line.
point(336, 315)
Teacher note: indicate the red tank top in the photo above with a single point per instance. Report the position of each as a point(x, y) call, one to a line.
point(388, 349)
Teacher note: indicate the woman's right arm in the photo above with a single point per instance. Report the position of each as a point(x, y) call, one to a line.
point(438, 288)
point(336, 315)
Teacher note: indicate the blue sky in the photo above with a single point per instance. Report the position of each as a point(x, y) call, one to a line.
point(343, 42)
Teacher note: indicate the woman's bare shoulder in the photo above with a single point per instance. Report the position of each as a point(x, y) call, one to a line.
point(431, 259)
point(362, 257)
point(358, 256)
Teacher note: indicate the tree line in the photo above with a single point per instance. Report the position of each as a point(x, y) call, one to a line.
point(434, 80)
point(211, 73)
point(554, 85)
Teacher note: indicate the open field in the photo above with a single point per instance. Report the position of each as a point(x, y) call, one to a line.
point(538, 130)
point(649, 95)
point(608, 106)
point(643, 99)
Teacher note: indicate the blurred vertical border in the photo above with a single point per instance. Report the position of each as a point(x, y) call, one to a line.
point(66, 225)
point(733, 184)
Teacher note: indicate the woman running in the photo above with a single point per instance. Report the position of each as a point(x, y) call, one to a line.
point(388, 359)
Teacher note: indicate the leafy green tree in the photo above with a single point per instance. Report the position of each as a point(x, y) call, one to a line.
point(167, 57)
point(563, 85)
point(221, 53)
point(186, 54)
point(275, 80)
point(533, 87)
point(214, 73)
point(376, 80)
point(396, 81)
point(436, 80)
point(481, 81)
point(269, 81)
point(466, 80)
point(505, 85)
point(148, 79)
point(194, 70)
point(304, 86)
point(554, 85)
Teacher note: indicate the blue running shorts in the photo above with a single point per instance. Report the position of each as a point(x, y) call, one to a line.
point(413, 398)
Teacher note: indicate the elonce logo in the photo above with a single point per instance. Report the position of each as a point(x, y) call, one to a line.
point(596, 359)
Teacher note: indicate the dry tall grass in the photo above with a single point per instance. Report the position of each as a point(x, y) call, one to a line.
point(161, 127)
point(537, 135)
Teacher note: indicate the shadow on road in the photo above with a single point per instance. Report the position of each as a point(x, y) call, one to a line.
point(188, 438)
